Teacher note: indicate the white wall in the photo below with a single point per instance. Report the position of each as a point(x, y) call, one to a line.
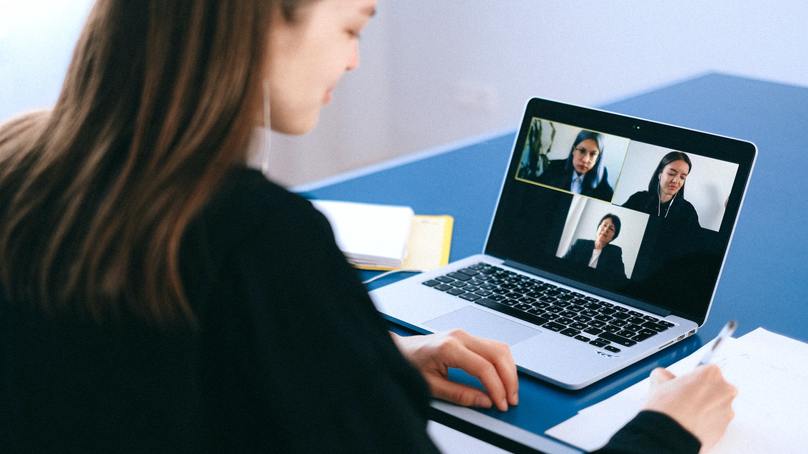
point(437, 71)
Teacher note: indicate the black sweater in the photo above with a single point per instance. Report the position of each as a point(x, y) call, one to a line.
point(290, 356)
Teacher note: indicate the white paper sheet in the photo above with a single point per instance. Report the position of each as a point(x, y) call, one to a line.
point(771, 374)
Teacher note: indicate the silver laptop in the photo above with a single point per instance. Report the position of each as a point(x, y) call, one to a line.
point(606, 246)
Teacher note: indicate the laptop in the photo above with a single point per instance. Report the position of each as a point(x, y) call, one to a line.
point(606, 245)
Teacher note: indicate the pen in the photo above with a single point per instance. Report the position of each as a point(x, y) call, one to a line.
point(726, 332)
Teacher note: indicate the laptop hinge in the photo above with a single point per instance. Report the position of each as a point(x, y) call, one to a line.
point(591, 289)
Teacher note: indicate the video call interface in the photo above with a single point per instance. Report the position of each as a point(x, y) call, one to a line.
point(637, 219)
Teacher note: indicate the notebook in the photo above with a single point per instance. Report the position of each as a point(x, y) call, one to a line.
point(606, 245)
point(388, 237)
point(370, 235)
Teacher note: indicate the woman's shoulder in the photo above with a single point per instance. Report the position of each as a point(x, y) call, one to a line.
point(637, 200)
point(582, 243)
point(247, 194)
point(247, 203)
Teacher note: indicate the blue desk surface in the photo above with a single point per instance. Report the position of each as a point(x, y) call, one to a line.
point(765, 278)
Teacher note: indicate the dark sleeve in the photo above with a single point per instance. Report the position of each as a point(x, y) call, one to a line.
point(604, 190)
point(651, 431)
point(619, 267)
point(325, 374)
point(577, 252)
point(693, 217)
point(636, 201)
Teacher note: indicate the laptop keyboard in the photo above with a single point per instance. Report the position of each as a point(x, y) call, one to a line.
point(585, 318)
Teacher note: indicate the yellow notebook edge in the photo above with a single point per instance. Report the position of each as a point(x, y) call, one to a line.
point(446, 246)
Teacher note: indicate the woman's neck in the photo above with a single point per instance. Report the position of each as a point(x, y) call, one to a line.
point(664, 198)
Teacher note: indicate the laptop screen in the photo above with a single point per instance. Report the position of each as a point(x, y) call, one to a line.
point(631, 209)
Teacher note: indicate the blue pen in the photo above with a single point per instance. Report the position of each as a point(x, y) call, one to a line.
point(726, 332)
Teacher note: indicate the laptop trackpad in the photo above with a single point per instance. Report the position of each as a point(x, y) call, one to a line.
point(483, 324)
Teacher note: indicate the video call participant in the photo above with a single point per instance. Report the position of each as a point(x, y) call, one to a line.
point(673, 232)
point(583, 172)
point(599, 255)
point(157, 294)
point(665, 197)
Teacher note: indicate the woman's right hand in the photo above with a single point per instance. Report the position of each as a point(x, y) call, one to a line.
point(700, 401)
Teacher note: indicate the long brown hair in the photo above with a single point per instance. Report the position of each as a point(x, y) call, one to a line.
point(157, 106)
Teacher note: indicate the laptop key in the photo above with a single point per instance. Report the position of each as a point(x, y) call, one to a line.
point(612, 349)
point(654, 326)
point(443, 287)
point(642, 337)
point(456, 291)
point(599, 342)
point(593, 331)
point(564, 320)
point(579, 326)
point(459, 276)
point(511, 311)
point(470, 297)
point(431, 283)
point(554, 326)
point(444, 279)
point(570, 332)
point(582, 338)
point(626, 333)
point(618, 339)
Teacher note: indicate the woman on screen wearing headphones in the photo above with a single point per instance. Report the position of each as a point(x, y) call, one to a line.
point(665, 197)
point(157, 295)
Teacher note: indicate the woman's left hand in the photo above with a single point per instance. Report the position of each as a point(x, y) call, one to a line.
point(490, 361)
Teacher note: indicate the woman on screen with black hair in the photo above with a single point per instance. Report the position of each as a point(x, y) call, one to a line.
point(665, 197)
point(583, 172)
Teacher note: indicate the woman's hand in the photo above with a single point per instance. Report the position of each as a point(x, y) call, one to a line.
point(700, 401)
point(490, 361)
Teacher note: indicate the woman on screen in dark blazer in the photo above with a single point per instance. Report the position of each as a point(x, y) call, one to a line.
point(156, 293)
point(665, 197)
point(583, 172)
point(604, 258)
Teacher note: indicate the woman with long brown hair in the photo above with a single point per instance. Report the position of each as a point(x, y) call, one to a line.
point(156, 294)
